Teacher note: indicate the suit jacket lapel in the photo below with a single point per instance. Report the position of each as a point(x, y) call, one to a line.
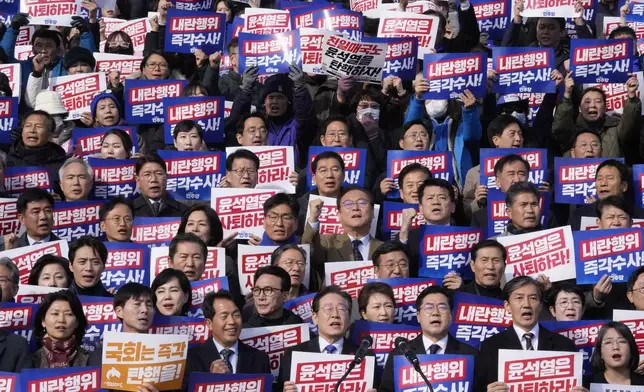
point(244, 360)
point(210, 352)
point(344, 247)
point(418, 345)
point(314, 345)
point(23, 241)
point(513, 340)
point(373, 244)
point(452, 345)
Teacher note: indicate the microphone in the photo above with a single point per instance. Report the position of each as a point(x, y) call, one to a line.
point(367, 341)
point(403, 345)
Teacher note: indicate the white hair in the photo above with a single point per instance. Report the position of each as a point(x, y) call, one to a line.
point(88, 168)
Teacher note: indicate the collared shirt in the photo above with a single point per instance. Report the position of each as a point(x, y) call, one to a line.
point(339, 344)
point(427, 343)
point(363, 247)
point(535, 338)
point(233, 358)
point(32, 241)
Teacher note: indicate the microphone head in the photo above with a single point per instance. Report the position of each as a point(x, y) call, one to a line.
point(368, 338)
point(400, 340)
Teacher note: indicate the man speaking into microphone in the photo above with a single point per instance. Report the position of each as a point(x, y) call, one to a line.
point(434, 314)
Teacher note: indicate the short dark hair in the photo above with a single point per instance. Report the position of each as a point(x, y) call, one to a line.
point(47, 34)
point(187, 237)
point(565, 287)
point(412, 168)
point(157, 53)
point(208, 306)
point(630, 284)
point(367, 95)
point(131, 290)
point(594, 90)
point(498, 125)
point(614, 201)
point(187, 126)
point(279, 272)
point(121, 134)
point(388, 247)
point(520, 281)
point(488, 244)
point(596, 361)
point(46, 260)
point(216, 230)
point(623, 30)
point(32, 195)
point(111, 204)
point(242, 121)
point(509, 159)
point(94, 243)
point(333, 289)
point(374, 288)
point(277, 253)
point(74, 304)
point(149, 158)
point(350, 188)
point(410, 124)
point(335, 118)
point(433, 290)
point(439, 182)
point(580, 132)
point(326, 155)
point(519, 188)
point(50, 124)
point(164, 277)
point(279, 199)
point(242, 153)
point(193, 88)
point(621, 168)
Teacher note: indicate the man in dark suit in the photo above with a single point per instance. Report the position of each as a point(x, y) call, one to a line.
point(14, 352)
point(224, 353)
point(523, 298)
point(488, 265)
point(151, 179)
point(35, 212)
point(434, 314)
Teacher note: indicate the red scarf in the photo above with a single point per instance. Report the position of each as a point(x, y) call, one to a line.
point(60, 353)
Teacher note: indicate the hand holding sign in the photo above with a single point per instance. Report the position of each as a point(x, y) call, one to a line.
point(632, 84)
point(602, 288)
point(480, 195)
point(420, 87)
point(498, 386)
point(387, 185)
point(315, 208)
point(579, 10)
point(215, 60)
point(19, 20)
point(468, 99)
point(145, 387)
point(557, 77)
point(624, 11)
point(408, 215)
point(249, 77)
point(289, 386)
point(518, 9)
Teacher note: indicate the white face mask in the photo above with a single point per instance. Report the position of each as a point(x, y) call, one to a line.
point(375, 113)
point(436, 107)
point(519, 116)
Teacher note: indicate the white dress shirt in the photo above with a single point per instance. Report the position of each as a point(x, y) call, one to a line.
point(535, 338)
point(32, 241)
point(363, 247)
point(233, 358)
point(338, 345)
point(427, 343)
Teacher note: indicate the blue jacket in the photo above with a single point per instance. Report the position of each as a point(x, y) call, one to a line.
point(469, 130)
point(8, 43)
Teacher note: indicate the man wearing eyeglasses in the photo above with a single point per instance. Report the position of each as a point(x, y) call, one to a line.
point(280, 221)
point(434, 308)
point(390, 260)
point(241, 170)
point(116, 220)
point(270, 291)
point(151, 179)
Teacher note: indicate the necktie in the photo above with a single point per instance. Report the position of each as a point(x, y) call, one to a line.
point(225, 355)
point(330, 349)
point(528, 341)
point(433, 349)
point(37, 243)
point(357, 256)
point(155, 208)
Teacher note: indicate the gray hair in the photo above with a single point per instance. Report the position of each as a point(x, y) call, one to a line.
point(518, 282)
point(277, 253)
point(15, 273)
point(73, 160)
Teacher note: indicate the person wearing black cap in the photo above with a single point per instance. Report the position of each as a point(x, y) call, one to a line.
point(5, 87)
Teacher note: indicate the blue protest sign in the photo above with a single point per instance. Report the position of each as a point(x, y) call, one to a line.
point(446, 249)
point(112, 178)
point(233, 29)
point(638, 181)
point(446, 372)
point(208, 112)
point(349, 23)
point(575, 179)
point(523, 70)
point(155, 231)
point(383, 335)
point(194, 327)
point(19, 319)
point(583, 333)
point(230, 382)
point(354, 164)
point(271, 53)
point(187, 31)
point(19, 179)
point(537, 158)
point(144, 99)
point(451, 74)
point(438, 163)
point(200, 289)
point(192, 174)
point(392, 218)
point(10, 382)
point(635, 12)
point(10, 7)
point(101, 317)
point(8, 118)
point(493, 17)
point(406, 291)
point(497, 216)
point(86, 379)
point(601, 60)
point(88, 140)
point(75, 219)
point(401, 58)
point(126, 262)
point(589, 15)
point(302, 306)
point(476, 318)
point(613, 252)
point(193, 5)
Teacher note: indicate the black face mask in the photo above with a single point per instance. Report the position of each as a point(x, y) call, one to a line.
point(122, 50)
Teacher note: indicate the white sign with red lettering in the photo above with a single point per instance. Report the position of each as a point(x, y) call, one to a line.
point(549, 252)
point(28, 294)
point(613, 22)
point(215, 262)
point(329, 219)
point(126, 65)
point(26, 257)
point(417, 7)
point(311, 47)
point(137, 29)
point(615, 388)
point(322, 372)
point(229, 106)
point(274, 340)
point(77, 91)
point(548, 8)
point(250, 258)
point(402, 24)
point(266, 21)
point(350, 276)
point(13, 73)
point(241, 210)
point(634, 320)
point(9, 222)
point(25, 35)
point(276, 163)
point(364, 61)
point(51, 13)
point(525, 370)
point(616, 94)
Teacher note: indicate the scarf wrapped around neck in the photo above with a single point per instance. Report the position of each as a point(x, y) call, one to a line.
point(60, 353)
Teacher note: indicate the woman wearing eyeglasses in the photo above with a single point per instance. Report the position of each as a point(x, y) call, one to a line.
point(171, 293)
point(615, 357)
point(566, 302)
